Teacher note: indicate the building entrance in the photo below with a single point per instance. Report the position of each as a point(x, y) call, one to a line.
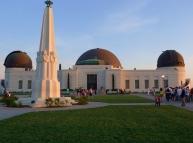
point(92, 81)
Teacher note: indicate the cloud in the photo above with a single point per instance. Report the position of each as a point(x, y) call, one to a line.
point(128, 20)
point(65, 44)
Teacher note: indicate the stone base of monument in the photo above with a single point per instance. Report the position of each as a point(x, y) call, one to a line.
point(40, 102)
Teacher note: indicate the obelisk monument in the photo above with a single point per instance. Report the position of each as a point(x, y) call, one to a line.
point(46, 83)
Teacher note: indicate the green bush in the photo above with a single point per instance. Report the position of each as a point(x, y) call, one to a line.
point(49, 102)
point(19, 104)
point(57, 102)
point(9, 101)
point(83, 100)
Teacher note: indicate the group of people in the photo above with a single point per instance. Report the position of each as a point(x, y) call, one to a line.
point(83, 92)
point(184, 94)
point(121, 92)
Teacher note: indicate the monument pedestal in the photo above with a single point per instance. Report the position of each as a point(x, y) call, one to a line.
point(40, 102)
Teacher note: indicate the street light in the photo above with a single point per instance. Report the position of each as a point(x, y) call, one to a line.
point(163, 80)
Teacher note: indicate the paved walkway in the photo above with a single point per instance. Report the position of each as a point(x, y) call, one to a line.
point(189, 106)
point(6, 112)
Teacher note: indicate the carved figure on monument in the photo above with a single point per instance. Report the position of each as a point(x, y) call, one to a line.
point(53, 58)
point(44, 64)
point(38, 60)
point(45, 56)
point(53, 61)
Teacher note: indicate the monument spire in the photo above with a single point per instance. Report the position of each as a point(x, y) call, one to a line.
point(46, 83)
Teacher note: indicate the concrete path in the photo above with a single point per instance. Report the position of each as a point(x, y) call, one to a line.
point(189, 106)
point(6, 112)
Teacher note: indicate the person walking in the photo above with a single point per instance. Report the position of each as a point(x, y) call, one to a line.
point(179, 91)
point(157, 101)
point(175, 93)
point(187, 95)
point(168, 94)
point(121, 92)
point(90, 92)
point(191, 94)
point(183, 97)
point(153, 91)
point(106, 91)
point(148, 90)
point(161, 93)
point(5, 94)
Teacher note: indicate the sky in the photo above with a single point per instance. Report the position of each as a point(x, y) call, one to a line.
point(136, 31)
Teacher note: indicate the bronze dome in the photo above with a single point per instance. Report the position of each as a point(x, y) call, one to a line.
point(18, 59)
point(98, 57)
point(170, 58)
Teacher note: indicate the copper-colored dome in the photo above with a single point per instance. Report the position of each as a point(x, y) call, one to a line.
point(170, 58)
point(103, 56)
point(18, 59)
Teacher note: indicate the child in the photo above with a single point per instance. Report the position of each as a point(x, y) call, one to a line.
point(157, 101)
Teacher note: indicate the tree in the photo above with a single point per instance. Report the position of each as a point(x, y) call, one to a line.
point(113, 81)
point(68, 81)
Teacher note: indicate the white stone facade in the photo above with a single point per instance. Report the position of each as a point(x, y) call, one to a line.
point(78, 77)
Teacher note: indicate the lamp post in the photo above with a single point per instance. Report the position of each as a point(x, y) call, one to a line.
point(163, 80)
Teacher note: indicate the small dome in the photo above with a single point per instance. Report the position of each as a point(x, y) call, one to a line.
point(170, 58)
point(18, 59)
point(98, 57)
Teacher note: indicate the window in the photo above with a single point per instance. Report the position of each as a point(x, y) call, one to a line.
point(136, 84)
point(146, 83)
point(20, 84)
point(165, 83)
point(127, 84)
point(156, 84)
point(29, 84)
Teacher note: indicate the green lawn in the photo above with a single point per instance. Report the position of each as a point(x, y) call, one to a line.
point(126, 98)
point(110, 124)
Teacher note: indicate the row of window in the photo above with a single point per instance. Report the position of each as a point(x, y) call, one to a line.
point(20, 86)
point(156, 84)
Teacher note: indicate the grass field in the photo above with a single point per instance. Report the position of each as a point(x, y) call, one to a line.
point(126, 98)
point(110, 124)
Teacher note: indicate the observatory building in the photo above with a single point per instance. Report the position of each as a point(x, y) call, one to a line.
point(99, 68)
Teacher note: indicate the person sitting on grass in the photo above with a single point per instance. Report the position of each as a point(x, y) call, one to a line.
point(157, 101)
